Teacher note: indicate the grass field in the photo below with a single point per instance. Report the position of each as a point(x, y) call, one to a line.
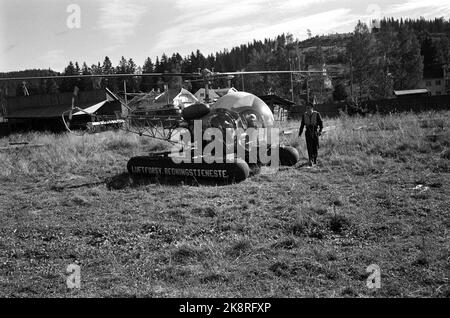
point(379, 195)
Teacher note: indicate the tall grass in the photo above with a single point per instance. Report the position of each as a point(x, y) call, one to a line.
point(63, 153)
point(367, 142)
point(360, 143)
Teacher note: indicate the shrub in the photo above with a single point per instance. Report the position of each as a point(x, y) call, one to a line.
point(338, 223)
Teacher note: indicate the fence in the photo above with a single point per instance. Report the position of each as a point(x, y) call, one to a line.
point(326, 110)
point(17, 103)
point(383, 106)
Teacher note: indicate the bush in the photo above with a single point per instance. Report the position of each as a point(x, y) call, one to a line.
point(338, 223)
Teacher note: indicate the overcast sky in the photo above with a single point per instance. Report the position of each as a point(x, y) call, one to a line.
point(36, 33)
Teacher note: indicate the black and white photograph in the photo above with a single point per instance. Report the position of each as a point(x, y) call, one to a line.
point(248, 151)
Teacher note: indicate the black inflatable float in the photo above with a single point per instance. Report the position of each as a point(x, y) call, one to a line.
point(234, 172)
point(161, 166)
point(289, 156)
point(195, 111)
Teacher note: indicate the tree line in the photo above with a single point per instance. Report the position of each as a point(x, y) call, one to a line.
point(374, 63)
point(396, 55)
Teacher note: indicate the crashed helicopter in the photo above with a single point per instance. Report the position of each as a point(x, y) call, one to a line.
point(223, 141)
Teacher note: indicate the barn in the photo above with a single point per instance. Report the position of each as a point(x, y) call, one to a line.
point(44, 112)
point(280, 107)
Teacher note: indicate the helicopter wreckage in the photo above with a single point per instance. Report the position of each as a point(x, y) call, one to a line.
point(225, 140)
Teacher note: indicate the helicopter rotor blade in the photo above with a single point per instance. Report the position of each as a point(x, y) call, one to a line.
point(270, 72)
point(99, 75)
point(198, 76)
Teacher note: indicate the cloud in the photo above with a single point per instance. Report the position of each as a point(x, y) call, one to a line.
point(421, 8)
point(212, 25)
point(220, 25)
point(208, 12)
point(120, 18)
point(320, 23)
point(295, 4)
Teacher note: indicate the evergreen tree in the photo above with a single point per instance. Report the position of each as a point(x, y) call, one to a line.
point(443, 55)
point(148, 83)
point(122, 67)
point(77, 69)
point(429, 51)
point(131, 66)
point(107, 68)
point(68, 84)
point(96, 81)
point(317, 57)
point(388, 47)
point(175, 63)
point(410, 70)
point(361, 49)
point(86, 83)
point(132, 82)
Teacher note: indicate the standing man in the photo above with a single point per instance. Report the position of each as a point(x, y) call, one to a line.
point(314, 125)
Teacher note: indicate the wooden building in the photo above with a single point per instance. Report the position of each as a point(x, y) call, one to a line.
point(44, 112)
point(281, 108)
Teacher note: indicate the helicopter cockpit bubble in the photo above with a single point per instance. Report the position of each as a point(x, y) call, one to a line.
point(222, 119)
point(244, 104)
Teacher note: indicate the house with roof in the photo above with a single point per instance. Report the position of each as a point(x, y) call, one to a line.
point(281, 108)
point(435, 80)
point(412, 93)
point(178, 97)
point(214, 93)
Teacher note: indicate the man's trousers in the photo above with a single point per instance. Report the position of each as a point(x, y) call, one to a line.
point(312, 143)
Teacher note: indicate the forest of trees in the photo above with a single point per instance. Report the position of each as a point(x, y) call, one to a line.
point(396, 55)
point(391, 57)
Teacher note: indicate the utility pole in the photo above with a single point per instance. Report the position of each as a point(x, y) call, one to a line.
point(2, 102)
point(351, 77)
point(351, 82)
point(206, 92)
point(292, 87)
point(307, 89)
point(125, 92)
point(291, 67)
